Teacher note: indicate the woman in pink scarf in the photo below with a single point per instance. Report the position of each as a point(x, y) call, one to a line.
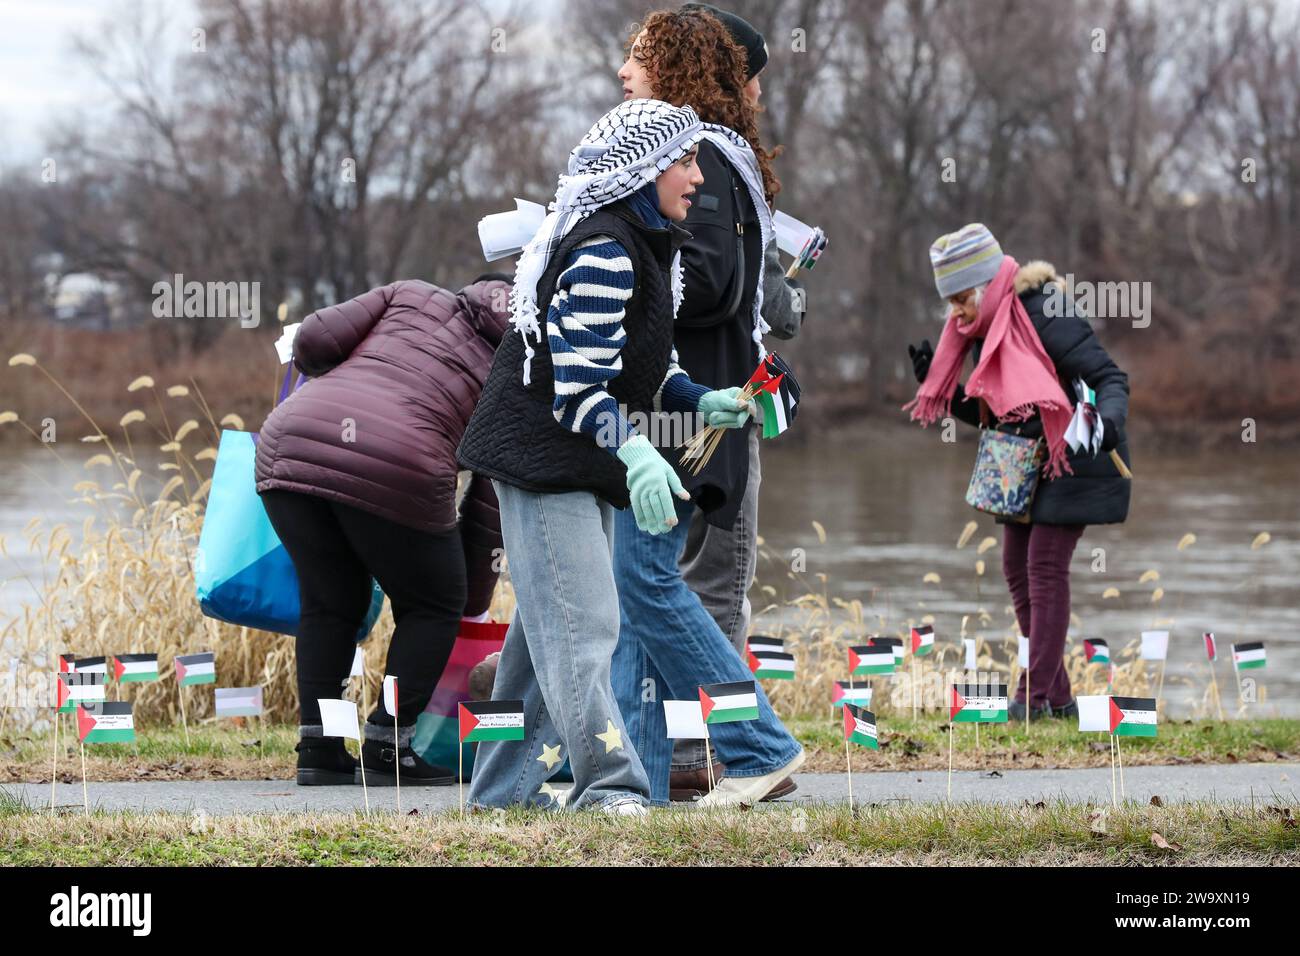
point(1029, 350)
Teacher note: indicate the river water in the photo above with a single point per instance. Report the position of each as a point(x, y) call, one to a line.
point(890, 500)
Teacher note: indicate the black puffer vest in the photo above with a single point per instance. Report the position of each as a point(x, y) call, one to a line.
point(514, 437)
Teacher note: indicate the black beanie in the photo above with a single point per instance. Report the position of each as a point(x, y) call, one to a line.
point(743, 33)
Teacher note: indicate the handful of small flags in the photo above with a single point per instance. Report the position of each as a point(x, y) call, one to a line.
point(775, 393)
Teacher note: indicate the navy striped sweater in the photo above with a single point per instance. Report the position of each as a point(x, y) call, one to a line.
point(584, 327)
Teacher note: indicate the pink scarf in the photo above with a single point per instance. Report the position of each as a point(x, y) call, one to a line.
point(1014, 375)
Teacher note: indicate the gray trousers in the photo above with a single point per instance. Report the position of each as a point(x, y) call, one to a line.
point(719, 565)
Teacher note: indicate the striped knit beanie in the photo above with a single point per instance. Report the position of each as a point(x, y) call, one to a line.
point(965, 259)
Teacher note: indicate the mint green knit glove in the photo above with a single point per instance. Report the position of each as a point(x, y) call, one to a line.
point(651, 484)
point(724, 408)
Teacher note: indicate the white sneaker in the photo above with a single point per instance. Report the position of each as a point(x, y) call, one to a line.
point(625, 807)
point(747, 791)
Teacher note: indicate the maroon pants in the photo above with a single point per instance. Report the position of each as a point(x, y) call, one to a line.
point(1036, 562)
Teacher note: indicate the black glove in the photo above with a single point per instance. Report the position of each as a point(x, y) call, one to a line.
point(921, 357)
point(1109, 435)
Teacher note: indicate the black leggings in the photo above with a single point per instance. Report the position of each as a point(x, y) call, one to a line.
point(336, 549)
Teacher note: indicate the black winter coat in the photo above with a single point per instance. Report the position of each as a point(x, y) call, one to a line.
point(1094, 492)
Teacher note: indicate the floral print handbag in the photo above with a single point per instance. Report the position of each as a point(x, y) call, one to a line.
point(1006, 475)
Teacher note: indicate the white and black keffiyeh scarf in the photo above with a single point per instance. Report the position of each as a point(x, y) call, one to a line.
point(738, 152)
point(628, 147)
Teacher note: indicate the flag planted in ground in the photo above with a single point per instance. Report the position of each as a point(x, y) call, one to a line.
point(92, 665)
point(871, 659)
point(773, 664)
point(1096, 651)
point(1094, 713)
point(196, 669)
point(74, 689)
point(1155, 645)
point(723, 703)
point(339, 718)
point(922, 639)
point(978, 704)
point(108, 722)
point(128, 668)
point(895, 644)
point(238, 701)
point(1211, 650)
point(846, 692)
point(1248, 656)
point(685, 720)
point(1133, 716)
point(491, 720)
point(390, 695)
point(763, 642)
point(860, 726)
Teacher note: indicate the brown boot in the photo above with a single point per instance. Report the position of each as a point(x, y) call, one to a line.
point(687, 785)
point(782, 789)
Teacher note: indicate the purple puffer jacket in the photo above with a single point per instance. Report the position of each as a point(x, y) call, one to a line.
point(395, 373)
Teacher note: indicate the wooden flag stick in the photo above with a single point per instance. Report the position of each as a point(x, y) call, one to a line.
point(397, 762)
point(708, 764)
point(180, 694)
point(1119, 752)
point(54, 773)
point(460, 774)
point(1161, 685)
point(1120, 466)
point(952, 732)
point(913, 684)
point(1029, 701)
point(361, 757)
point(1114, 801)
point(1218, 701)
point(848, 763)
point(85, 795)
point(793, 270)
point(977, 735)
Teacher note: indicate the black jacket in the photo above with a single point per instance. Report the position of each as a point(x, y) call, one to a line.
point(723, 261)
point(513, 435)
point(1094, 492)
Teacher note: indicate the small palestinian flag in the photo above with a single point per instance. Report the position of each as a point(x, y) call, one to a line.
point(92, 665)
point(196, 669)
point(762, 642)
point(1097, 651)
point(67, 663)
point(491, 720)
point(776, 394)
point(922, 640)
point(1248, 656)
point(1211, 651)
point(1133, 716)
point(871, 659)
point(978, 704)
point(74, 689)
point(723, 703)
point(893, 643)
point(128, 668)
point(390, 695)
point(238, 701)
point(860, 727)
point(848, 693)
point(109, 722)
point(774, 664)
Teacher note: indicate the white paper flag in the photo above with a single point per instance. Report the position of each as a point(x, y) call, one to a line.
point(1094, 713)
point(1155, 645)
point(284, 344)
point(506, 233)
point(339, 718)
point(791, 234)
point(1022, 651)
point(358, 663)
point(390, 695)
point(685, 721)
point(970, 653)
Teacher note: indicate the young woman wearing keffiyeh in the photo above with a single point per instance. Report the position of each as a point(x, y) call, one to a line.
point(1027, 358)
point(551, 430)
point(673, 638)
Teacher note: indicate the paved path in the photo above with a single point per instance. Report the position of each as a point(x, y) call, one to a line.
point(1229, 783)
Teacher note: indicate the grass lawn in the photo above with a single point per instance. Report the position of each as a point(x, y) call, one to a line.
point(226, 750)
point(963, 834)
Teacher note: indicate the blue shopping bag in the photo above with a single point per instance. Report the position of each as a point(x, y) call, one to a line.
point(242, 573)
